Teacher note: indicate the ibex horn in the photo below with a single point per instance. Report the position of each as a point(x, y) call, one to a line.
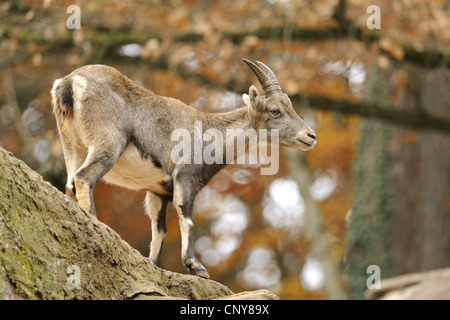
point(265, 76)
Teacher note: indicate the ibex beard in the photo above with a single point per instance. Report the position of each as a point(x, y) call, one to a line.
point(113, 128)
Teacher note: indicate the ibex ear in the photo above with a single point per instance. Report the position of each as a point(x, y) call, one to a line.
point(251, 98)
point(253, 94)
point(246, 99)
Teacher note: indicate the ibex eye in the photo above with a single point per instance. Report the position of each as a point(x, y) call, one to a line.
point(275, 112)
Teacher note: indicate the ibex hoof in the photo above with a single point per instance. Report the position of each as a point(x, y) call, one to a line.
point(196, 268)
point(70, 193)
point(201, 273)
point(157, 262)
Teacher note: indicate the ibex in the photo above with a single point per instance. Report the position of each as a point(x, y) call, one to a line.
point(113, 128)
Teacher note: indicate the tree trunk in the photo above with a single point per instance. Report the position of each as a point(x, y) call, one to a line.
point(51, 249)
point(401, 218)
point(314, 227)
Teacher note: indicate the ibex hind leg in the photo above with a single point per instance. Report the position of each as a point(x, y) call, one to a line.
point(74, 156)
point(100, 159)
point(74, 159)
point(155, 207)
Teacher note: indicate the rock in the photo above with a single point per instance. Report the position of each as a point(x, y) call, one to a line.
point(51, 249)
point(429, 285)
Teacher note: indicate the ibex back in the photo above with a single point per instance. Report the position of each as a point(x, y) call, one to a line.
point(113, 128)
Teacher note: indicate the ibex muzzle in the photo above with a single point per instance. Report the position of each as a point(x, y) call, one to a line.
point(113, 128)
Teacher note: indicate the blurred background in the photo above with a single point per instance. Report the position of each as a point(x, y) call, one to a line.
point(374, 191)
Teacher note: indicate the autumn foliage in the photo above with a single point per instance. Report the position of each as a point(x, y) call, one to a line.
point(250, 229)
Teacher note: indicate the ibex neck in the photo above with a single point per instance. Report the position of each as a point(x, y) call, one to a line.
point(236, 133)
point(235, 119)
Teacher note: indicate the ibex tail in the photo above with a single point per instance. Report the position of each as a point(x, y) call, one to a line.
point(62, 98)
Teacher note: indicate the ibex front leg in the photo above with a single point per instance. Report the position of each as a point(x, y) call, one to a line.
point(183, 200)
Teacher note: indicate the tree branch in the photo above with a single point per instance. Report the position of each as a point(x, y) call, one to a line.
point(417, 119)
point(295, 33)
point(344, 28)
point(428, 57)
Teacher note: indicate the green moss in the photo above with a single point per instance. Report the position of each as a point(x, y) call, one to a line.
point(369, 234)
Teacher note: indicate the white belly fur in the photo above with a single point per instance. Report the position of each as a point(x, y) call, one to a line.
point(136, 173)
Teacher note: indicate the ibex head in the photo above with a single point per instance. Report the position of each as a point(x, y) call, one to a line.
point(274, 110)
